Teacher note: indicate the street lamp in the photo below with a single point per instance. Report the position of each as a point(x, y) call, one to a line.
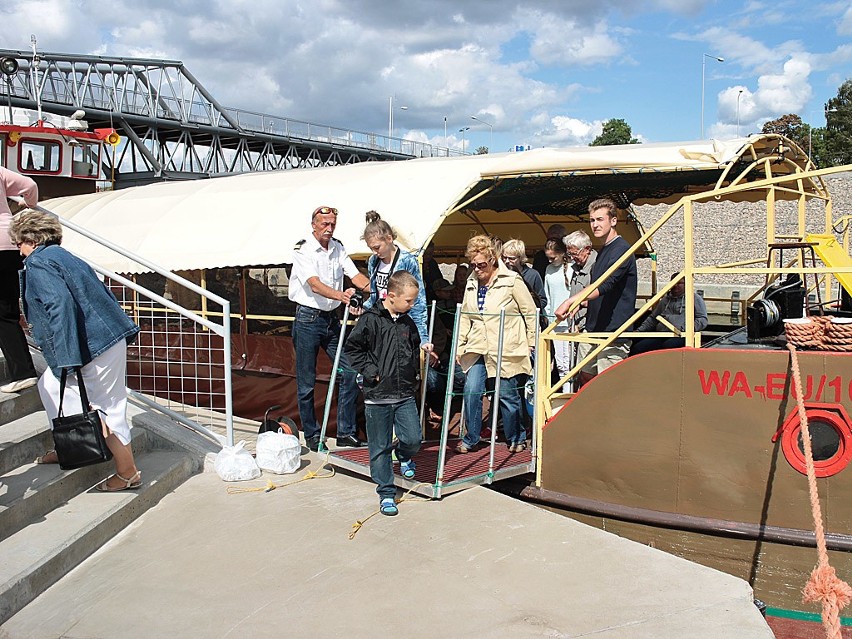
point(490, 131)
point(462, 130)
point(390, 118)
point(703, 66)
point(739, 95)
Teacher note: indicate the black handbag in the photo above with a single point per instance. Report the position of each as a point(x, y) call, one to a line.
point(79, 439)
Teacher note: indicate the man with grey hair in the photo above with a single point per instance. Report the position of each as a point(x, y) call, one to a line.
point(579, 249)
point(540, 261)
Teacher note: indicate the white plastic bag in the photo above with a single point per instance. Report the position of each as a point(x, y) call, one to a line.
point(235, 463)
point(278, 453)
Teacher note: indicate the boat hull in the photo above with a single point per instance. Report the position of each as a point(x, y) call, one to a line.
point(677, 449)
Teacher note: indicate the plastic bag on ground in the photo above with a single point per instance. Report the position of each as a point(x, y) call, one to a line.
point(235, 463)
point(278, 453)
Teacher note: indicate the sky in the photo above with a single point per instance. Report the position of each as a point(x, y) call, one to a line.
point(539, 72)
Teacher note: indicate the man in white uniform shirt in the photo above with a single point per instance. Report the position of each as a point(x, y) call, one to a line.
point(316, 286)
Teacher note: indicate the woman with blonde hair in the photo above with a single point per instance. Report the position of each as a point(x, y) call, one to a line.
point(78, 324)
point(490, 288)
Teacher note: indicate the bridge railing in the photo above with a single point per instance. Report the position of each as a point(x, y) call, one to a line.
point(166, 90)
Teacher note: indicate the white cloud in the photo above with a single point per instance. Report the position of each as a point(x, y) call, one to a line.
point(844, 27)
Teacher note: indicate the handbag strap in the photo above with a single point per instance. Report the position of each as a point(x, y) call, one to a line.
point(84, 398)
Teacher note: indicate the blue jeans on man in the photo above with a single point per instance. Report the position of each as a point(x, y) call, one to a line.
point(511, 404)
point(311, 330)
point(382, 421)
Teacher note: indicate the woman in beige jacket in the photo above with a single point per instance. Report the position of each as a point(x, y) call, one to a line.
point(490, 288)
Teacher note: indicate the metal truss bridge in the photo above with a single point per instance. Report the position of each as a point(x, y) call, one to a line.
point(172, 128)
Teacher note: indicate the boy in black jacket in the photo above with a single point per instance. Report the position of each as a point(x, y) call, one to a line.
point(384, 348)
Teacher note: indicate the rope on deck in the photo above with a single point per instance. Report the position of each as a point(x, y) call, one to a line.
point(270, 485)
point(360, 522)
point(823, 585)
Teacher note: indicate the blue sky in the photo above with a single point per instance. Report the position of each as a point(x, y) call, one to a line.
point(542, 72)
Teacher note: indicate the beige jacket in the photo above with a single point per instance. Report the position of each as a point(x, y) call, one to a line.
point(479, 331)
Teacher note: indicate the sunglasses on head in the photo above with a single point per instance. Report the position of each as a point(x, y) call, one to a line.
point(325, 210)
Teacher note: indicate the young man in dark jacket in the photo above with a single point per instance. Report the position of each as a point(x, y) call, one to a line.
point(384, 347)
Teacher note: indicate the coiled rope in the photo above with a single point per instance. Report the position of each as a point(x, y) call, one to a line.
point(823, 585)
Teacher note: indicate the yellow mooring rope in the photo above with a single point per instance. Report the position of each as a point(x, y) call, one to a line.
point(359, 523)
point(270, 486)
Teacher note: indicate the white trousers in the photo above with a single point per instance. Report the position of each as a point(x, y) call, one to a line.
point(562, 352)
point(104, 378)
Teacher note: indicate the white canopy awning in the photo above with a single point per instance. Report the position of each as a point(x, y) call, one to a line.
point(257, 218)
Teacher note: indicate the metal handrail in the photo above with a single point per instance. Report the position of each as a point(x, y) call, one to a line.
point(223, 330)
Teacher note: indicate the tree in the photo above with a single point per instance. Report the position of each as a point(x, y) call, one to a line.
point(790, 126)
point(482, 150)
point(838, 127)
point(615, 131)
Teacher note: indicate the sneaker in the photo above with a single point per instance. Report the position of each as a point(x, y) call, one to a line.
point(19, 385)
point(407, 469)
point(387, 506)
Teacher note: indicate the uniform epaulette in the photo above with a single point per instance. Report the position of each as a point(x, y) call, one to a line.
point(338, 241)
point(299, 245)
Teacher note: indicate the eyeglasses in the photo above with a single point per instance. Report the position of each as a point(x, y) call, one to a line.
point(576, 254)
point(479, 265)
point(325, 210)
point(510, 258)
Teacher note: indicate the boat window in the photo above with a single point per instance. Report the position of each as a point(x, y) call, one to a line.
point(831, 439)
point(39, 156)
point(86, 160)
point(825, 440)
point(266, 299)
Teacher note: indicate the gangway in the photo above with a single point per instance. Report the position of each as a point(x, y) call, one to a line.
point(173, 128)
point(832, 253)
point(441, 470)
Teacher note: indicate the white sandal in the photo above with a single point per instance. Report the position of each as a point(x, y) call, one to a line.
point(129, 484)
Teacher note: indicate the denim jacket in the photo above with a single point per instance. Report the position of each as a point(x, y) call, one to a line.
point(405, 262)
point(73, 316)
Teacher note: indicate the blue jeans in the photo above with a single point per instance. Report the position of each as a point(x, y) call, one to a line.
point(382, 421)
point(436, 385)
point(511, 404)
point(311, 330)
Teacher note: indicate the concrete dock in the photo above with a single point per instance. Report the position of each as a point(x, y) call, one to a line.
point(206, 563)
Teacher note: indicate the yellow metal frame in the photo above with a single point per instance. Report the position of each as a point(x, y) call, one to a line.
point(779, 173)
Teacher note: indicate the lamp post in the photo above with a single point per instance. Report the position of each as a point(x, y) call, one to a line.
point(739, 95)
point(462, 130)
point(390, 119)
point(703, 66)
point(490, 131)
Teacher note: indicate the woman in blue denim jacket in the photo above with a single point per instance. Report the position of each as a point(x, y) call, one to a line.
point(388, 258)
point(77, 323)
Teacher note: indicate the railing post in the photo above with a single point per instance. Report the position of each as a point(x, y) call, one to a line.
point(495, 401)
point(448, 402)
point(333, 379)
point(426, 373)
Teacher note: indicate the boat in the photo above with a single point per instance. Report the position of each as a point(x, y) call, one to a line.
point(693, 450)
point(64, 159)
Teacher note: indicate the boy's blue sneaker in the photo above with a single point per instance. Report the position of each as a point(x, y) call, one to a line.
point(387, 506)
point(407, 469)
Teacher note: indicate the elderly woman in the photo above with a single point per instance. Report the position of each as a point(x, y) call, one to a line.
point(515, 258)
point(78, 324)
point(490, 288)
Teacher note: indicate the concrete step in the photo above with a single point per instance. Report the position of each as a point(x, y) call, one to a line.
point(16, 405)
point(22, 440)
point(42, 552)
point(29, 490)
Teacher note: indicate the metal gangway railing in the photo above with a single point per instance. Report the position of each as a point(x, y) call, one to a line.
point(180, 362)
point(452, 471)
point(552, 395)
point(173, 124)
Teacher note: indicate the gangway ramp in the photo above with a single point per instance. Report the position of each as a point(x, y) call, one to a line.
point(832, 253)
point(460, 471)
